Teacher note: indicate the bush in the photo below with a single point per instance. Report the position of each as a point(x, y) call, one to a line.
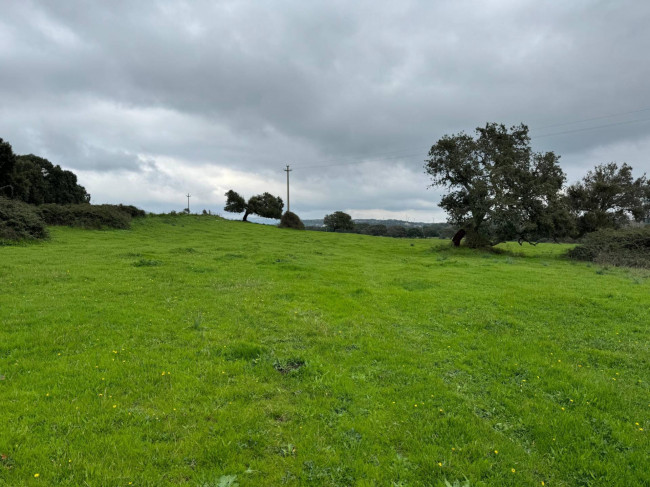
point(291, 220)
point(20, 221)
point(86, 216)
point(134, 211)
point(629, 247)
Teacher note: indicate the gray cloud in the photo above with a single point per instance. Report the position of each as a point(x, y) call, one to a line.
point(204, 96)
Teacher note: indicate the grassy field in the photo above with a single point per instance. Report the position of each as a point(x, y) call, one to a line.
point(196, 351)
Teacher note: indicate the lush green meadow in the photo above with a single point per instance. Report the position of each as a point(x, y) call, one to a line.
point(197, 351)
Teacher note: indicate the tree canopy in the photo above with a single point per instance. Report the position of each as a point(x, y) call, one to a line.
point(497, 188)
point(7, 164)
point(609, 197)
point(36, 180)
point(338, 222)
point(265, 205)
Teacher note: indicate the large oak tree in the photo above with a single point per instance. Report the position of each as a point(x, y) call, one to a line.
point(498, 189)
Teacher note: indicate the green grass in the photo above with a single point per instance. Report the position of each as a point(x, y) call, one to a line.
point(196, 351)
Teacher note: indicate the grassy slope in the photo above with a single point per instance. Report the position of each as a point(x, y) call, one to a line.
point(421, 363)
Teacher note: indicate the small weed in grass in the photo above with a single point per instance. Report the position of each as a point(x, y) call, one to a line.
point(142, 262)
point(288, 450)
point(286, 366)
point(197, 321)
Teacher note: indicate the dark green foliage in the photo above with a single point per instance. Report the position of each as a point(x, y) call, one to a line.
point(235, 203)
point(291, 220)
point(38, 181)
point(133, 211)
point(497, 187)
point(361, 228)
point(414, 232)
point(20, 221)
point(85, 216)
point(430, 231)
point(7, 164)
point(338, 222)
point(629, 247)
point(377, 230)
point(609, 197)
point(369, 229)
point(265, 205)
point(396, 232)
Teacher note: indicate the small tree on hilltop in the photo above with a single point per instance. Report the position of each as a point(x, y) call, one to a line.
point(338, 222)
point(265, 205)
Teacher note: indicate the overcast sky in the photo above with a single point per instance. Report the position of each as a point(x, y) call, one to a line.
point(146, 101)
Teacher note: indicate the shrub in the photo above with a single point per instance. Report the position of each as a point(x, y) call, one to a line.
point(629, 247)
point(134, 211)
point(20, 221)
point(291, 220)
point(86, 216)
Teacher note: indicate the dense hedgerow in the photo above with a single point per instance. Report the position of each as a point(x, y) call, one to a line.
point(20, 221)
point(134, 211)
point(628, 247)
point(291, 220)
point(87, 216)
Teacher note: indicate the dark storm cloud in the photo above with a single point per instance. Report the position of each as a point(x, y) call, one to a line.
point(213, 91)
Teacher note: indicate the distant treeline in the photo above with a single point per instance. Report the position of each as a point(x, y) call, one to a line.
point(433, 230)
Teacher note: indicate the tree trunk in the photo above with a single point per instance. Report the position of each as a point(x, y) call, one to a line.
point(246, 216)
point(458, 237)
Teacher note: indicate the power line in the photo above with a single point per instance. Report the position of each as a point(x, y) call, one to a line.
point(592, 128)
point(591, 119)
point(371, 158)
point(361, 160)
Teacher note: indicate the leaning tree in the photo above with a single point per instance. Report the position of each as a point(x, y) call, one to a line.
point(498, 189)
point(265, 205)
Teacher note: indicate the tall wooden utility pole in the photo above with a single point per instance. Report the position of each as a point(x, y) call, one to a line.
point(287, 170)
